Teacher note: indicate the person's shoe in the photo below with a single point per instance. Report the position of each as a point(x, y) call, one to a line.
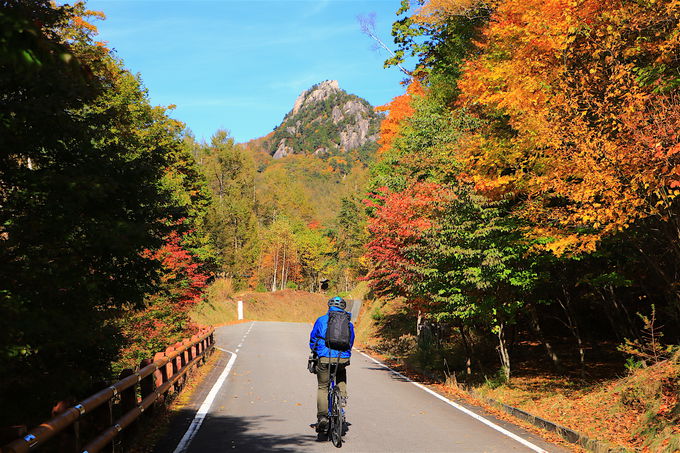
point(322, 425)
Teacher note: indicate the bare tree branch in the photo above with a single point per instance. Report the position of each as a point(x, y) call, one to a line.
point(367, 25)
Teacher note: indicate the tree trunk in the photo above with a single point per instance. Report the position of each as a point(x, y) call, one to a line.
point(467, 344)
point(283, 268)
point(608, 313)
point(503, 351)
point(573, 327)
point(620, 310)
point(285, 275)
point(276, 264)
point(220, 181)
point(539, 333)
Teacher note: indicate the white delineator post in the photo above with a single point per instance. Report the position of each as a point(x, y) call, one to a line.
point(240, 310)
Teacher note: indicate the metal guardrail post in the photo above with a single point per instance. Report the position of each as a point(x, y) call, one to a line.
point(184, 359)
point(128, 401)
point(190, 351)
point(172, 366)
point(158, 374)
point(146, 385)
point(76, 433)
point(165, 375)
point(181, 363)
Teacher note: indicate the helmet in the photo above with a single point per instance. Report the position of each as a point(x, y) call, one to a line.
point(338, 302)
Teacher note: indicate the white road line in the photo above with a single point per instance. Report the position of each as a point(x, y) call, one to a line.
point(461, 408)
point(205, 407)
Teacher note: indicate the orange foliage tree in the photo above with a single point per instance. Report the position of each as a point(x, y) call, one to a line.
point(583, 94)
point(400, 108)
point(559, 119)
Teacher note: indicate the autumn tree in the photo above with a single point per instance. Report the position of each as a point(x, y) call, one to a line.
point(280, 259)
point(553, 126)
point(591, 109)
point(316, 252)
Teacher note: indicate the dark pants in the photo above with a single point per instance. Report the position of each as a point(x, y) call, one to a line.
point(323, 377)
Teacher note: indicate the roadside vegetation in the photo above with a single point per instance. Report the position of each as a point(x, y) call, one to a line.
point(633, 408)
point(523, 210)
point(101, 227)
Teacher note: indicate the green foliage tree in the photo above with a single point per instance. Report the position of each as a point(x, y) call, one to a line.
point(468, 266)
point(91, 177)
point(284, 189)
point(231, 221)
point(316, 256)
point(473, 265)
point(348, 232)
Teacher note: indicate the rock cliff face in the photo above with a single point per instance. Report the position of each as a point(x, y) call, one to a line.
point(326, 120)
point(319, 92)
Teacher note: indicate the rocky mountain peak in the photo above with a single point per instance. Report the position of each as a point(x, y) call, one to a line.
point(318, 92)
point(326, 120)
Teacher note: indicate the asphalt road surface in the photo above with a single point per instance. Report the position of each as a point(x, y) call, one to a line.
point(260, 397)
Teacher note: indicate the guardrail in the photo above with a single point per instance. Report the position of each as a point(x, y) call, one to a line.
point(119, 406)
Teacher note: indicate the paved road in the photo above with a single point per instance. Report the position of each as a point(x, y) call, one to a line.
point(267, 402)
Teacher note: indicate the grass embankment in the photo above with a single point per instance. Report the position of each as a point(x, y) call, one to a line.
point(636, 411)
point(640, 411)
point(220, 307)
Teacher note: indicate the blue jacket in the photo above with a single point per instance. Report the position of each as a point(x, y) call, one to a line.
point(317, 340)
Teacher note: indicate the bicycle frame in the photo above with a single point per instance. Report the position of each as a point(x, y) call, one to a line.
point(332, 374)
point(332, 384)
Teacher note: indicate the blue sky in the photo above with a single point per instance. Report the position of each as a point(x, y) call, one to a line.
point(240, 65)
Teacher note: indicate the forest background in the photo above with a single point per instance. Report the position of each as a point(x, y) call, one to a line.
point(523, 201)
point(115, 220)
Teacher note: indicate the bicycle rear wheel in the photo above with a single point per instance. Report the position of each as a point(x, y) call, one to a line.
point(336, 420)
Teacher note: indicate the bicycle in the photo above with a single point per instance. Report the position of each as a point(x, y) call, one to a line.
point(336, 413)
point(337, 426)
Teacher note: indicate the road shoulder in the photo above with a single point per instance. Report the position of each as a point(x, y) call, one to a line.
point(540, 438)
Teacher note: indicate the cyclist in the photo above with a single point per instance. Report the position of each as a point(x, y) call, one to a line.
point(317, 343)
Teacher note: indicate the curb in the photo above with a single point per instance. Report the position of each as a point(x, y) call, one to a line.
point(574, 437)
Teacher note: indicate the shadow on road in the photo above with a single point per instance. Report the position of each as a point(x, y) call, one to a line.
point(385, 370)
point(241, 434)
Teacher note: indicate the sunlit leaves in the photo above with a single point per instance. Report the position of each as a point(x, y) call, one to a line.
point(585, 89)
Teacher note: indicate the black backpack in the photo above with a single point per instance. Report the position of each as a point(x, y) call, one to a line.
point(337, 332)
